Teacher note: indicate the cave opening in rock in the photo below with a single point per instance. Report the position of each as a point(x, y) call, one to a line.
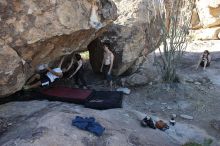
point(96, 55)
point(93, 59)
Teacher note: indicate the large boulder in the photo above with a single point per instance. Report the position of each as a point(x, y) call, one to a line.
point(208, 12)
point(12, 72)
point(206, 20)
point(195, 21)
point(35, 32)
point(128, 34)
point(206, 34)
point(147, 72)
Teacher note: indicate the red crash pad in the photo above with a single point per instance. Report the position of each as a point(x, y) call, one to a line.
point(67, 94)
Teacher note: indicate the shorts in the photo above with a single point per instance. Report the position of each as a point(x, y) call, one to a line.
point(202, 64)
point(105, 71)
point(45, 81)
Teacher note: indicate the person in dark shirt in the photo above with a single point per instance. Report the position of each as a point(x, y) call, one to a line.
point(204, 60)
point(78, 74)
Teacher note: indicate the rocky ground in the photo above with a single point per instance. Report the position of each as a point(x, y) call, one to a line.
point(195, 102)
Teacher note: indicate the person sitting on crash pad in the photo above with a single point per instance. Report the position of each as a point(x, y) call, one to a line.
point(46, 79)
point(79, 72)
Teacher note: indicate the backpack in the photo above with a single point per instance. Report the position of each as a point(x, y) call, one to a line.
point(161, 125)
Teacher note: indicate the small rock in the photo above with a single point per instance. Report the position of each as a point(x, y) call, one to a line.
point(173, 115)
point(124, 90)
point(3, 125)
point(150, 83)
point(9, 124)
point(211, 88)
point(148, 103)
point(137, 79)
point(169, 108)
point(204, 80)
point(127, 115)
point(183, 105)
point(153, 111)
point(197, 83)
point(189, 80)
point(162, 107)
point(186, 117)
point(164, 103)
point(215, 124)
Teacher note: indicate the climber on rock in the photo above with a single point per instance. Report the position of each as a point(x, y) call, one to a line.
point(78, 73)
point(47, 78)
